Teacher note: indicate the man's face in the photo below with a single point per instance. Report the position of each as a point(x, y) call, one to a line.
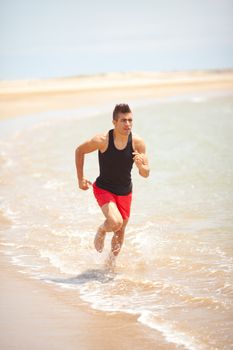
point(123, 125)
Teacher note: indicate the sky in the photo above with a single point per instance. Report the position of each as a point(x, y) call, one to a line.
point(60, 38)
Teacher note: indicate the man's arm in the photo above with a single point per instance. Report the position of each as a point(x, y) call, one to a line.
point(140, 157)
point(86, 147)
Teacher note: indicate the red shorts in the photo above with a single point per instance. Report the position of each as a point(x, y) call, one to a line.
point(123, 203)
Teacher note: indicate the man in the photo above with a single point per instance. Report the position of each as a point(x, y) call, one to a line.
point(118, 150)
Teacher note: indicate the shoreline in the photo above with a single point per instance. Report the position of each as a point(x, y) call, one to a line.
point(21, 98)
point(35, 315)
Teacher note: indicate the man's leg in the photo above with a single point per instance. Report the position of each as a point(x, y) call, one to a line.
point(113, 223)
point(118, 239)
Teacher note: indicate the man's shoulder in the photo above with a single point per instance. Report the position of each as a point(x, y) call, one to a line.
point(100, 139)
point(138, 143)
point(137, 139)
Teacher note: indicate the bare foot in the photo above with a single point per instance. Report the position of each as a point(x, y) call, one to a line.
point(99, 239)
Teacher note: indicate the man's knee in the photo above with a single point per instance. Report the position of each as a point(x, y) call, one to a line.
point(116, 223)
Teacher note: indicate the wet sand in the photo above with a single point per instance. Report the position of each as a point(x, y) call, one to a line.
point(35, 315)
point(39, 316)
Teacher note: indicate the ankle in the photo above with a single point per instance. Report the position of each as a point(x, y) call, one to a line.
point(101, 230)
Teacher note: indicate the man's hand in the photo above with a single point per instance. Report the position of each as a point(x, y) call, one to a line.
point(139, 159)
point(141, 162)
point(84, 184)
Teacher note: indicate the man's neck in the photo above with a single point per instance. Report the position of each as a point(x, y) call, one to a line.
point(120, 137)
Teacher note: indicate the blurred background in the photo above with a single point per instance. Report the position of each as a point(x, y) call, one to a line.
point(56, 38)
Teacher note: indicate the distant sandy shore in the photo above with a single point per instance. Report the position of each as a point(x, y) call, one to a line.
point(26, 97)
point(37, 316)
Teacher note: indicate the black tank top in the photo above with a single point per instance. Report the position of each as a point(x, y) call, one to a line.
point(115, 167)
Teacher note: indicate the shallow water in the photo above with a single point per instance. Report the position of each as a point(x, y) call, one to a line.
point(175, 270)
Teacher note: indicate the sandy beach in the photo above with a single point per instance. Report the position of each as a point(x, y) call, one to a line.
point(36, 315)
point(19, 98)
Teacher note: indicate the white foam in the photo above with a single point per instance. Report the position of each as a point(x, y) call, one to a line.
point(53, 258)
point(12, 215)
point(169, 332)
point(7, 244)
point(54, 185)
point(90, 293)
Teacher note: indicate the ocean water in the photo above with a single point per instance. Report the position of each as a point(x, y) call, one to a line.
point(175, 270)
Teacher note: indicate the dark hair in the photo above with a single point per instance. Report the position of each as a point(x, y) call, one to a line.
point(121, 108)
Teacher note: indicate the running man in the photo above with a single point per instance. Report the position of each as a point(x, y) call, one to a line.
point(117, 149)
